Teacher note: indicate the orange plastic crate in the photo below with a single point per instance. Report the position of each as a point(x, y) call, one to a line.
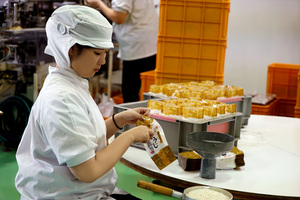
point(118, 99)
point(282, 80)
point(163, 78)
point(152, 77)
point(196, 57)
point(194, 18)
point(297, 107)
point(147, 79)
point(269, 109)
point(286, 107)
point(297, 112)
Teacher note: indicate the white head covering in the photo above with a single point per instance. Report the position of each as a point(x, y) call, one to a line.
point(72, 24)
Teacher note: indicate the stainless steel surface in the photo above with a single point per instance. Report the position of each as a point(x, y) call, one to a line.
point(209, 145)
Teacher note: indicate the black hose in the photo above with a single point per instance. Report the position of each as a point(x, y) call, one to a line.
point(14, 120)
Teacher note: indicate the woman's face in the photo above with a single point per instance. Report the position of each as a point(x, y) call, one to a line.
point(88, 61)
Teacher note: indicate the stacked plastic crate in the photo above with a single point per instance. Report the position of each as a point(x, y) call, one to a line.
point(297, 107)
point(192, 40)
point(282, 81)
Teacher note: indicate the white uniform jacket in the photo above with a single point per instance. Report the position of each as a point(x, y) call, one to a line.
point(137, 36)
point(65, 129)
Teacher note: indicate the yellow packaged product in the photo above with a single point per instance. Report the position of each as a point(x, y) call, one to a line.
point(210, 111)
point(221, 109)
point(239, 90)
point(157, 147)
point(185, 93)
point(156, 89)
point(230, 108)
point(192, 112)
point(230, 92)
point(171, 109)
point(170, 89)
point(208, 83)
point(155, 105)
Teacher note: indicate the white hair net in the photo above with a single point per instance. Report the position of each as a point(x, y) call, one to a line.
point(72, 24)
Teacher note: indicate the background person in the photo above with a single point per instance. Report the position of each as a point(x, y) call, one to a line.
point(135, 24)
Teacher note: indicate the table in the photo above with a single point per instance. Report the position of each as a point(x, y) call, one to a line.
point(271, 146)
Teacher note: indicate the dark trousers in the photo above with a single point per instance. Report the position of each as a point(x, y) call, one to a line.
point(131, 81)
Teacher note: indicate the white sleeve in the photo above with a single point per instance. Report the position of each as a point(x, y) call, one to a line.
point(68, 129)
point(124, 6)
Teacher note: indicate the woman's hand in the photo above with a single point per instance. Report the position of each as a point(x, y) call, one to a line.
point(115, 16)
point(132, 115)
point(142, 111)
point(140, 134)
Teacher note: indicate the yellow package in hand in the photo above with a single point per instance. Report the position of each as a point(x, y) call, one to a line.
point(157, 147)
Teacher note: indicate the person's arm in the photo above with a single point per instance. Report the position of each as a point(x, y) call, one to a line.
point(115, 16)
point(126, 117)
point(106, 158)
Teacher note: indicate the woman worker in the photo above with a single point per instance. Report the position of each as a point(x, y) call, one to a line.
point(136, 27)
point(63, 153)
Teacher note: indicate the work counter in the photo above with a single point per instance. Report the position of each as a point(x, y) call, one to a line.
point(271, 146)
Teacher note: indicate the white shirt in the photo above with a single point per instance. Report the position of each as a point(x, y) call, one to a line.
point(137, 36)
point(65, 128)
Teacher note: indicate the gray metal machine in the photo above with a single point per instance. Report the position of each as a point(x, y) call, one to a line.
point(22, 43)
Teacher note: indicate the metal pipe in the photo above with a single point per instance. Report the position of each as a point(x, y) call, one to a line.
point(15, 13)
point(8, 21)
point(8, 8)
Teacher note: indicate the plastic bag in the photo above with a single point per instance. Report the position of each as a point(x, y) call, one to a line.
point(106, 106)
point(157, 147)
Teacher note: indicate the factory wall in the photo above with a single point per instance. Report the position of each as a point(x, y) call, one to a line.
point(260, 32)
